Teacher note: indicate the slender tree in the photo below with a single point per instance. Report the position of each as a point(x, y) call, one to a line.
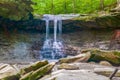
point(74, 6)
point(52, 6)
point(65, 6)
point(102, 4)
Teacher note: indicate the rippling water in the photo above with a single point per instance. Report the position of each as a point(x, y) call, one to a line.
point(26, 46)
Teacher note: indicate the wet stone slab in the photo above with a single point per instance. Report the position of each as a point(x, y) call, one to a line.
point(74, 75)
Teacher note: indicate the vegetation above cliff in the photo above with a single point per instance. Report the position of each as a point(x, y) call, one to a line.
point(23, 9)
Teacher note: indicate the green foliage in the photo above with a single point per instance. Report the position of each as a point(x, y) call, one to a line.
point(21, 9)
point(69, 6)
point(15, 9)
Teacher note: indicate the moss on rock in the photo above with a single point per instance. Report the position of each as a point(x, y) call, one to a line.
point(12, 77)
point(34, 67)
point(110, 56)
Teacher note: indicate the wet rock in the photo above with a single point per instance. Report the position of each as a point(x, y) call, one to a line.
point(106, 71)
point(26, 76)
point(8, 72)
point(33, 67)
point(74, 75)
point(105, 63)
point(34, 75)
point(72, 50)
point(67, 66)
point(101, 55)
point(92, 62)
point(12, 77)
point(78, 58)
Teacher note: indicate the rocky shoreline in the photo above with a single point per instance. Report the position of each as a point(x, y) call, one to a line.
point(80, 67)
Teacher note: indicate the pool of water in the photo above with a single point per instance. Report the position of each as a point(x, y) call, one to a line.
point(27, 46)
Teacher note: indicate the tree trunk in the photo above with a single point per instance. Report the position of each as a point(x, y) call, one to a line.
point(65, 7)
point(52, 6)
point(74, 6)
point(102, 4)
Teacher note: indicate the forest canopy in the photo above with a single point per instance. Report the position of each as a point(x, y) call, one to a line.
point(71, 6)
point(22, 9)
point(16, 9)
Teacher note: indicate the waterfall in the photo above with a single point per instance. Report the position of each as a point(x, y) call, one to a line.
point(60, 27)
point(47, 28)
point(55, 30)
point(53, 48)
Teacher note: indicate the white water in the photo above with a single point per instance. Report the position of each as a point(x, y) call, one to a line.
point(55, 30)
point(60, 28)
point(53, 48)
point(47, 29)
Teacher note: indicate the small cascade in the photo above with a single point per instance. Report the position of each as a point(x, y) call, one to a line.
point(53, 48)
point(47, 29)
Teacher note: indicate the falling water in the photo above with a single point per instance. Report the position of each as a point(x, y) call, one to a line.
point(60, 28)
point(47, 41)
point(53, 48)
point(55, 30)
point(47, 29)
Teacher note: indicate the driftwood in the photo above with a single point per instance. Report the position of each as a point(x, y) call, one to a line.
point(113, 74)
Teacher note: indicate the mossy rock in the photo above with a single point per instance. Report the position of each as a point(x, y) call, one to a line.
point(79, 58)
point(12, 77)
point(33, 67)
point(111, 56)
point(35, 75)
point(26, 76)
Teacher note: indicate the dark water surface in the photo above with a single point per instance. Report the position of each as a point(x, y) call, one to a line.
point(26, 46)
